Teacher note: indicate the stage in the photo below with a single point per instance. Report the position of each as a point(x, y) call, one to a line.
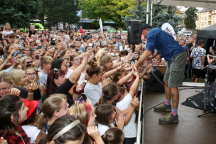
point(190, 128)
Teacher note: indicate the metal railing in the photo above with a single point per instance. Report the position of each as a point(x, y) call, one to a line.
point(140, 127)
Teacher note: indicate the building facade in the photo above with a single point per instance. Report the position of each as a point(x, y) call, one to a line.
point(206, 17)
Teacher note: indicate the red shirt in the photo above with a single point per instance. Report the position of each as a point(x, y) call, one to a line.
point(12, 138)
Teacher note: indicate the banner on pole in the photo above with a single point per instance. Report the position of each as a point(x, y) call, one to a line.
point(101, 25)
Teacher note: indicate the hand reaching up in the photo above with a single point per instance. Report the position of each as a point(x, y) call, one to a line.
point(120, 122)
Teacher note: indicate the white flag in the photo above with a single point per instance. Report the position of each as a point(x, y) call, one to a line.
point(101, 25)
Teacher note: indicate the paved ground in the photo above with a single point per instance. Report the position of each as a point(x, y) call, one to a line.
point(189, 130)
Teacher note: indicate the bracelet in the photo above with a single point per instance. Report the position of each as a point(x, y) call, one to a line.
point(31, 93)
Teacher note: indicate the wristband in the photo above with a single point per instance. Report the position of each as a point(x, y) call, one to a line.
point(31, 93)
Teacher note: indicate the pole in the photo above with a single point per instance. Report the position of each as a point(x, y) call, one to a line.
point(151, 14)
point(147, 12)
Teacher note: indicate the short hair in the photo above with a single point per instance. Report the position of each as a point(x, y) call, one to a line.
point(45, 60)
point(200, 42)
point(22, 60)
point(11, 35)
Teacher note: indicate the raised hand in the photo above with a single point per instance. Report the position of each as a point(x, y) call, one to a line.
point(93, 132)
point(120, 122)
point(134, 102)
point(15, 91)
point(2, 141)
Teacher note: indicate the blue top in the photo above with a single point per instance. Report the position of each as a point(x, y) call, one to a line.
point(164, 43)
point(185, 48)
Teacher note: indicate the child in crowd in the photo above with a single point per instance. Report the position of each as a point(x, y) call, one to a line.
point(113, 136)
point(45, 65)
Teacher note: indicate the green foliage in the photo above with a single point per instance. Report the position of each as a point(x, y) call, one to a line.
point(190, 18)
point(163, 14)
point(138, 12)
point(57, 11)
point(18, 12)
point(106, 9)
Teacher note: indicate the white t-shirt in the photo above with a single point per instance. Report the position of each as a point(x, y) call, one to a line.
point(6, 32)
point(103, 128)
point(69, 72)
point(129, 129)
point(93, 92)
point(32, 132)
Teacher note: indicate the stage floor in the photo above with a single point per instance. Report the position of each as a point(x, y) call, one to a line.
point(189, 130)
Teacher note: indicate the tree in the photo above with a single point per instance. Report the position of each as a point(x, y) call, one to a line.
point(163, 14)
point(106, 9)
point(138, 12)
point(18, 12)
point(190, 18)
point(57, 11)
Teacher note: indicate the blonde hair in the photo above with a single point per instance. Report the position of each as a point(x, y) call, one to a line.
point(46, 60)
point(9, 25)
point(99, 54)
point(16, 75)
point(5, 77)
point(79, 112)
point(52, 104)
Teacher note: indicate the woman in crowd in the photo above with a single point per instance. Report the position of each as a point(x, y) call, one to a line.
point(32, 81)
point(12, 113)
point(6, 85)
point(74, 62)
point(57, 82)
point(19, 77)
point(53, 107)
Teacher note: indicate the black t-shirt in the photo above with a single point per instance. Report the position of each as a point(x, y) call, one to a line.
point(23, 92)
point(30, 33)
point(64, 88)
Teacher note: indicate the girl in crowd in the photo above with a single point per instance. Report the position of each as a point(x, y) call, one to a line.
point(113, 136)
point(93, 88)
point(29, 125)
point(12, 113)
point(32, 81)
point(7, 29)
point(74, 62)
point(53, 107)
point(66, 130)
point(105, 117)
point(123, 103)
point(6, 85)
point(57, 82)
point(85, 112)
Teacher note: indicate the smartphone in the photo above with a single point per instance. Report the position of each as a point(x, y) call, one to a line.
point(37, 57)
point(17, 37)
point(12, 60)
point(84, 97)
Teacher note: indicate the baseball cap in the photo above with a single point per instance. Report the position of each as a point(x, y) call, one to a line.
point(145, 26)
point(31, 105)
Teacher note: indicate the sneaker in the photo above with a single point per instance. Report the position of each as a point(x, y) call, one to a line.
point(169, 118)
point(163, 107)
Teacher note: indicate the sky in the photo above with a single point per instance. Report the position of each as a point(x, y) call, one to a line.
point(183, 9)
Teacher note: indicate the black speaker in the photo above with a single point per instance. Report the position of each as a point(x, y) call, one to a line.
point(155, 83)
point(134, 32)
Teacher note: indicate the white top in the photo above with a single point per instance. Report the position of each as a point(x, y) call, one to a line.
point(129, 129)
point(103, 128)
point(32, 132)
point(69, 72)
point(6, 32)
point(93, 92)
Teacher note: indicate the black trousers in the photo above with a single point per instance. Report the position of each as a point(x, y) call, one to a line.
point(129, 140)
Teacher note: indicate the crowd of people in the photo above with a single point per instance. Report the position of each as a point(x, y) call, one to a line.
point(75, 86)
